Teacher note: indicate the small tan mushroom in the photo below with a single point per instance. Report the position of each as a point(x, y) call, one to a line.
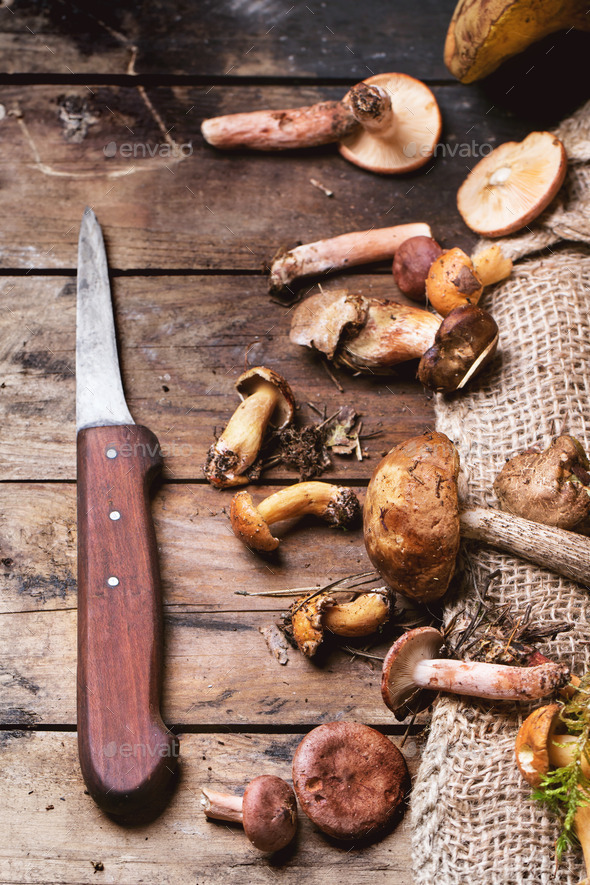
point(510, 187)
point(289, 267)
point(336, 505)
point(413, 663)
point(464, 344)
point(389, 123)
point(491, 265)
point(551, 487)
point(266, 399)
point(267, 811)
point(351, 780)
point(452, 282)
point(312, 616)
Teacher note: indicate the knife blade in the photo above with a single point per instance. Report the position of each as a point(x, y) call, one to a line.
point(127, 755)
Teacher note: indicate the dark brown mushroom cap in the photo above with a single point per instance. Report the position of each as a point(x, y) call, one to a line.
point(398, 688)
point(465, 342)
point(349, 779)
point(249, 526)
point(411, 516)
point(411, 264)
point(322, 320)
point(532, 743)
point(250, 381)
point(550, 487)
point(269, 813)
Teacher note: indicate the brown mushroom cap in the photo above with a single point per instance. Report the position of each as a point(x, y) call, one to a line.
point(550, 487)
point(411, 516)
point(249, 526)
point(512, 185)
point(253, 379)
point(532, 743)
point(414, 132)
point(465, 342)
point(269, 813)
point(398, 689)
point(411, 264)
point(349, 779)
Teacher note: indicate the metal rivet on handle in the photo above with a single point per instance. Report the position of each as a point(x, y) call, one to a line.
point(111, 453)
point(112, 581)
point(115, 515)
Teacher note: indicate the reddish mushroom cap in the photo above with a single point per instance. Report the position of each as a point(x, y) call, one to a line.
point(349, 779)
point(269, 813)
point(398, 689)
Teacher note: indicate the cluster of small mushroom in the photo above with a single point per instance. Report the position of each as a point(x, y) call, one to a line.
point(351, 781)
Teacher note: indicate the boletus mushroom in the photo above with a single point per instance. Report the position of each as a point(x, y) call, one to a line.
point(312, 616)
point(350, 780)
point(336, 505)
point(266, 399)
point(267, 811)
point(464, 344)
point(411, 264)
point(413, 663)
point(413, 523)
point(316, 259)
point(510, 187)
point(389, 123)
point(545, 749)
point(552, 487)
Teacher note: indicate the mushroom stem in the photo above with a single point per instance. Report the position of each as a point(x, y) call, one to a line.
point(566, 553)
point(280, 130)
point(246, 427)
point(347, 250)
point(371, 107)
point(298, 500)
point(361, 617)
point(222, 806)
point(495, 681)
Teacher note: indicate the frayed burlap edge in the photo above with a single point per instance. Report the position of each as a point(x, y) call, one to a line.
point(473, 820)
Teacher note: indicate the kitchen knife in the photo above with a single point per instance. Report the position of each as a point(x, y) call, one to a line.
point(127, 754)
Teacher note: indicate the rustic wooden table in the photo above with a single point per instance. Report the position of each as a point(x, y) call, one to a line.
point(103, 109)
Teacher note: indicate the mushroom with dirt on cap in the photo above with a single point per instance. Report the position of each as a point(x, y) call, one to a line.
point(336, 505)
point(389, 123)
point(413, 523)
point(510, 187)
point(266, 399)
point(267, 811)
point(351, 780)
point(413, 663)
point(314, 615)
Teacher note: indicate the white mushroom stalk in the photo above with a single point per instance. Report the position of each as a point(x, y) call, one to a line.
point(348, 250)
point(222, 806)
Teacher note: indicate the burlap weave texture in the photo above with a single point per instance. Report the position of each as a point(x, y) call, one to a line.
point(473, 821)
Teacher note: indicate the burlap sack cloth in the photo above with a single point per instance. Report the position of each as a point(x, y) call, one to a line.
point(472, 818)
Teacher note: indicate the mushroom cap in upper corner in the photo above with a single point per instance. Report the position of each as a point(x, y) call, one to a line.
point(248, 525)
point(252, 379)
point(510, 187)
point(350, 780)
point(411, 141)
point(397, 681)
point(269, 813)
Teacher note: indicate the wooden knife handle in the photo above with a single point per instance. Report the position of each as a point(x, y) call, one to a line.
point(127, 755)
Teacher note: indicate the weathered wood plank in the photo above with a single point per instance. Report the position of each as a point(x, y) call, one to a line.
point(202, 562)
point(274, 38)
point(218, 670)
point(203, 208)
point(52, 832)
point(183, 343)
